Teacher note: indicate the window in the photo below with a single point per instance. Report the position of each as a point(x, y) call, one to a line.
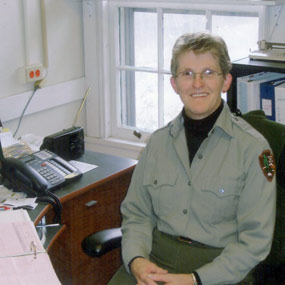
point(144, 36)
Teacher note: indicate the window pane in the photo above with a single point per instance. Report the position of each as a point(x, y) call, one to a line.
point(139, 100)
point(139, 90)
point(177, 24)
point(127, 106)
point(145, 39)
point(239, 32)
point(172, 102)
point(146, 101)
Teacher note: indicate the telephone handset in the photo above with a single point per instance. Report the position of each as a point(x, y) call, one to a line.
point(37, 173)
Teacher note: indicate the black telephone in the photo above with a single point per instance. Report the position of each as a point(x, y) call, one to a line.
point(37, 173)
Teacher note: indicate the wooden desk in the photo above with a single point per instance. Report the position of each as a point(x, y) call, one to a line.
point(107, 185)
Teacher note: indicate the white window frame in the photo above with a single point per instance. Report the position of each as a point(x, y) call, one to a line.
point(102, 55)
point(127, 133)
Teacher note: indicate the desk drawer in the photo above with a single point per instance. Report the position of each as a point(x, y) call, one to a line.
point(97, 206)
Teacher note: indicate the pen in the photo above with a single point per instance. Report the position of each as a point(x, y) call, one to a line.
point(48, 226)
point(4, 208)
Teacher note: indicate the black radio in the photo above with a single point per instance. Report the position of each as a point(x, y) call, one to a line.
point(68, 143)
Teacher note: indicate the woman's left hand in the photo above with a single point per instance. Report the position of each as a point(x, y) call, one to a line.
point(173, 279)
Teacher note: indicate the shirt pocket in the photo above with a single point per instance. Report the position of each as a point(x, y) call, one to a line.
point(162, 189)
point(221, 198)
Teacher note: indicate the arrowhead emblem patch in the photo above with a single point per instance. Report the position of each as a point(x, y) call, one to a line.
point(267, 164)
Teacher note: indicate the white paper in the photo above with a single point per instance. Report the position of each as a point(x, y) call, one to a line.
point(83, 166)
point(280, 103)
point(16, 199)
point(16, 216)
point(267, 107)
point(27, 270)
point(33, 141)
point(29, 203)
point(6, 193)
point(7, 139)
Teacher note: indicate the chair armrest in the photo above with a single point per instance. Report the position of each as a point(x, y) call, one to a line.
point(99, 243)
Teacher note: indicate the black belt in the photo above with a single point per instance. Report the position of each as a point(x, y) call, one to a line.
point(185, 240)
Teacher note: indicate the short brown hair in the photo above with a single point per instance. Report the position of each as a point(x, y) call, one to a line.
point(200, 43)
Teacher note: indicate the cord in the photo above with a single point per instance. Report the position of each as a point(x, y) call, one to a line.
point(59, 206)
point(36, 87)
point(56, 204)
point(277, 22)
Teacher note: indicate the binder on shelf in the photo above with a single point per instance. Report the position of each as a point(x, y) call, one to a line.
point(248, 89)
point(268, 101)
point(23, 260)
point(280, 103)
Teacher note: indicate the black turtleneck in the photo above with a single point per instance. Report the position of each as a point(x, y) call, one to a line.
point(197, 130)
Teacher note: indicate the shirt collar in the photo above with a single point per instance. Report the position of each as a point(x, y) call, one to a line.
point(224, 122)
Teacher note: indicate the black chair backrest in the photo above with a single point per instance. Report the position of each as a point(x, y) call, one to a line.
point(274, 132)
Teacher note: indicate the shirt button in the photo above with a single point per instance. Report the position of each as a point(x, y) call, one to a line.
point(200, 156)
point(155, 182)
point(185, 211)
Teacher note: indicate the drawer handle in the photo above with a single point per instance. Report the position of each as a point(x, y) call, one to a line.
point(90, 203)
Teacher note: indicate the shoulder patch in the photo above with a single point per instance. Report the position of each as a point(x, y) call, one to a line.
point(267, 164)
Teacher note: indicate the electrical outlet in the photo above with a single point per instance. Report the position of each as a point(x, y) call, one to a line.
point(34, 72)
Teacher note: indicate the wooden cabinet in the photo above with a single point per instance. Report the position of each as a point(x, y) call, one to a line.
point(91, 208)
point(245, 67)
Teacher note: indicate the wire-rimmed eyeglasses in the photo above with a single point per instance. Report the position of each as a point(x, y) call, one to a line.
point(207, 74)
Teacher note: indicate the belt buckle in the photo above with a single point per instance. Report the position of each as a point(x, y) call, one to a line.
point(184, 239)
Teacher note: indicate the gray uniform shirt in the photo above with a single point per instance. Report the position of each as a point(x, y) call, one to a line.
point(222, 199)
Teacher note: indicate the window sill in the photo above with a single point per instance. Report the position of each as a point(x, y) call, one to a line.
point(230, 2)
point(115, 146)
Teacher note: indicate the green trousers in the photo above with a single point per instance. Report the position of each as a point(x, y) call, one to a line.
point(175, 256)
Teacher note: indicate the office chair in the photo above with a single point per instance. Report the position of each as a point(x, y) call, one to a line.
point(270, 271)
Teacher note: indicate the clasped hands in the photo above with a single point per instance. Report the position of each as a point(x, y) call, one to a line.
point(148, 273)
